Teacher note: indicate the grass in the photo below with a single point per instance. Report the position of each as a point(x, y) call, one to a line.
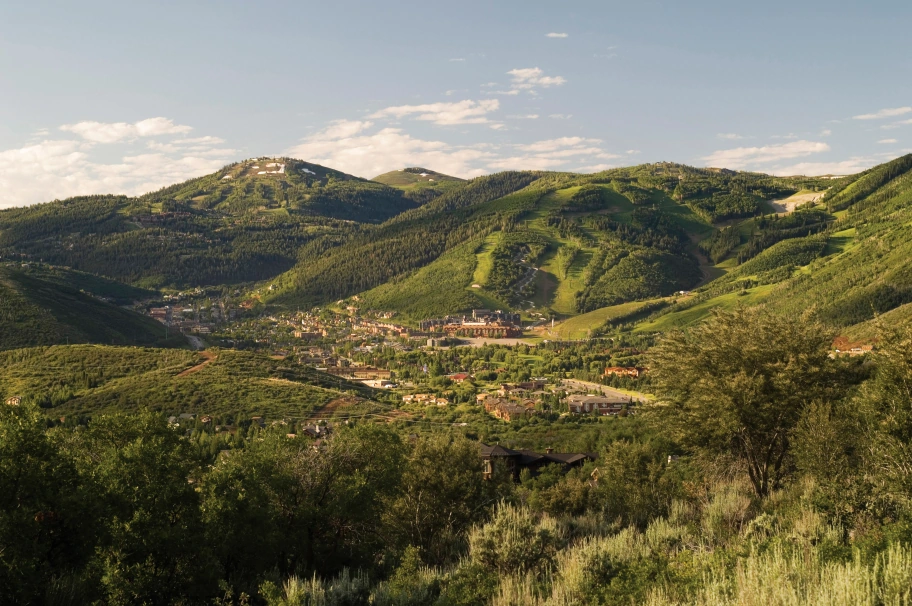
point(580, 327)
point(840, 242)
point(88, 379)
point(701, 311)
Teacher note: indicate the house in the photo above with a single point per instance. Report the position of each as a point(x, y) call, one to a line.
point(495, 458)
point(459, 377)
point(621, 371)
point(379, 383)
point(14, 401)
point(507, 410)
point(600, 405)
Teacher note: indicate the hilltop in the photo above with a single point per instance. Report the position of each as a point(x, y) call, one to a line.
point(416, 177)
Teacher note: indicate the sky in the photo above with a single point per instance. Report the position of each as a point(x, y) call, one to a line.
point(128, 97)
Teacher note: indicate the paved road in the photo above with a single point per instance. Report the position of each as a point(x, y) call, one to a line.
point(608, 391)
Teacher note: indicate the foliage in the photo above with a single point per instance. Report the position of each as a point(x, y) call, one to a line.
point(34, 311)
point(739, 384)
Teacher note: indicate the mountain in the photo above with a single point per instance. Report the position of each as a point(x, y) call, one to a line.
point(841, 259)
point(613, 247)
point(241, 224)
point(39, 311)
point(415, 177)
point(562, 242)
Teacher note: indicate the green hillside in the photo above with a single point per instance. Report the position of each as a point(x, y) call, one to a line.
point(562, 242)
point(37, 311)
point(242, 224)
point(87, 379)
point(416, 177)
point(844, 262)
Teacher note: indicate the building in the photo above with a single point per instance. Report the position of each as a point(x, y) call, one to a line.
point(493, 330)
point(622, 371)
point(513, 462)
point(14, 401)
point(506, 410)
point(600, 405)
point(379, 383)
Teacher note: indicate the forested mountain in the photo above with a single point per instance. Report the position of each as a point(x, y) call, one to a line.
point(416, 177)
point(843, 260)
point(242, 224)
point(38, 311)
point(565, 244)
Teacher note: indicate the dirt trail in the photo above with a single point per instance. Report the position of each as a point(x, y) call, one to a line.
point(206, 354)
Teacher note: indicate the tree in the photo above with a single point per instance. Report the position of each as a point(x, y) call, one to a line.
point(886, 402)
point(145, 472)
point(442, 494)
point(43, 533)
point(738, 384)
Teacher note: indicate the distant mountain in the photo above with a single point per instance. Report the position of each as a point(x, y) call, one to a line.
point(243, 223)
point(416, 177)
point(842, 259)
point(36, 311)
point(557, 242)
point(296, 235)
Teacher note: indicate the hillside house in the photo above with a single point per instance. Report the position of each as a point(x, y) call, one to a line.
point(14, 401)
point(600, 405)
point(496, 458)
point(507, 410)
point(622, 371)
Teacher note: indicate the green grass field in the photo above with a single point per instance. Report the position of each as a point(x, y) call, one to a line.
point(701, 311)
point(581, 326)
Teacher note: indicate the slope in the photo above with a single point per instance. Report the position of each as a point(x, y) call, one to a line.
point(845, 264)
point(415, 177)
point(244, 223)
point(34, 311)
point(87, 379)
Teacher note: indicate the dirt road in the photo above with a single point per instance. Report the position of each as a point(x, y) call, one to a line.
point(210, 356)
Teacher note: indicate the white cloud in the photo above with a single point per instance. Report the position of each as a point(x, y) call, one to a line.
point(887, 141)
point(112, 132)
point(594, 168)
point(729, 136)
point(61, 168)
point(374, 152)
point(523, 117)
point(530, 78)
point(64, 168)
point(632, 152)
point(370, 154)
point(844, 167)
point(560, 116)
point(556, 35)
point(553, 154)
point(457, 59)
point(884, 113)
point(447, 114)
point(826, 132)
point(743, 157)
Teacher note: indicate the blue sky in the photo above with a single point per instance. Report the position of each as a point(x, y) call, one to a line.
point(126, 97)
